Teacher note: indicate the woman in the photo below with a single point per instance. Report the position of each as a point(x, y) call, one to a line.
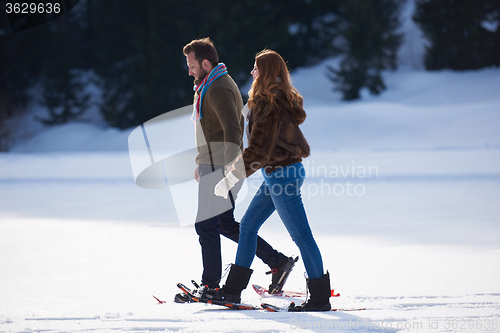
point(276, 146)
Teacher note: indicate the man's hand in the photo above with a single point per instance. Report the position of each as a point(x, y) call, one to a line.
point(197, 174)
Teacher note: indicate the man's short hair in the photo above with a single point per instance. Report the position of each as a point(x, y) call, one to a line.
point(203, 49)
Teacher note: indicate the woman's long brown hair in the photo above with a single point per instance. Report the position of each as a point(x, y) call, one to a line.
point(273, 76)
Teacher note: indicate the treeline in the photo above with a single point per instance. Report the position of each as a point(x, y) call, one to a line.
point(462, 34)
point(132, 49)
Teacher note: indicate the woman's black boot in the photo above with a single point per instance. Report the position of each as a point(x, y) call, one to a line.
point(320, 293)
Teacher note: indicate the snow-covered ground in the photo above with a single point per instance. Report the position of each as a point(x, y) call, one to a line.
point(402, 197)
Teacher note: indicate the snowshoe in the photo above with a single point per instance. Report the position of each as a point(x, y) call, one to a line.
point(280, 275)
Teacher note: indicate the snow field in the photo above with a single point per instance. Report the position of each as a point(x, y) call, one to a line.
point(402, 196)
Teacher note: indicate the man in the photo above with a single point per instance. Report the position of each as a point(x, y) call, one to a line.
point(219, 140)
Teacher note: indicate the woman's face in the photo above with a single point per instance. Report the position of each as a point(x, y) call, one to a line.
point(255, 71)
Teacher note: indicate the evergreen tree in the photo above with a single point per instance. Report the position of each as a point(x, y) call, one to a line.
point(137, 46)
point(20, 68)
point(241, 29)
point(62, 71)
point(314, 28)
point(463, 34)
point(137, 53)
point(134, 48)
point(370, 42)
point(36, 48)
point(64, 98)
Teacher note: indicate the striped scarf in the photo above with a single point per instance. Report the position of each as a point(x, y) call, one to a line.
point(202, 87)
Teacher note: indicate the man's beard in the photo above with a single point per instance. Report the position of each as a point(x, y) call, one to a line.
point(203, 74)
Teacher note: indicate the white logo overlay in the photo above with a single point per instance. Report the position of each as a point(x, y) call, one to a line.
point(162, 153)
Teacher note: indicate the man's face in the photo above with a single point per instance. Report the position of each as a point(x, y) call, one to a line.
point(194, 67)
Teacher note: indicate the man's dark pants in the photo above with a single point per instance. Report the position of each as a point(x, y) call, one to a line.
point(209, 228)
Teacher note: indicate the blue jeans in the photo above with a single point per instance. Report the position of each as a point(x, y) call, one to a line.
point(280, 191)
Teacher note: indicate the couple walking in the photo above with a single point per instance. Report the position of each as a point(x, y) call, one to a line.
point(276, 147)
